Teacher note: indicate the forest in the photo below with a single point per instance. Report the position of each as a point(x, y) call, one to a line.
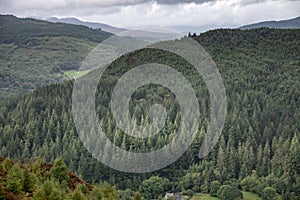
point(258, 151)
point(38, 180)
point(35, 53)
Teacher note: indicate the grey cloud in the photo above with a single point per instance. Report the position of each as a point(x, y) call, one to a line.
point(182, 1)
point(59, 4)
point(162, 13)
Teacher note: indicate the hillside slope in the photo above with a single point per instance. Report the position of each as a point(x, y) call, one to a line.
point(94, 25)
point(259, 146)
point(36, 179)
point(289, 23)
point(18, 31)
point(34, 53)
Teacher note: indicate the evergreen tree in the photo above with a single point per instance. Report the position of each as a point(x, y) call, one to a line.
point(59, 171)
point(137, 196)
point(1, 191)
point(77, 195)
point(15, 179)
point(108, 192)
point(29, 181)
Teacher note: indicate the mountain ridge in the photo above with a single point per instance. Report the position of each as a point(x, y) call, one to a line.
point(288, 23)
point(94, 25)
point(259, 144)
point(37, 52)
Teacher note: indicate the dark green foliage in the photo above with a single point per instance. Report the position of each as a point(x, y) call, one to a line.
point(48, 187)
point(77, 195)
point(268, 193)
point(191, 181)
point(34, 53)
point(29, 181)
point(59, 171)
point(39, 194)
point(227, 192)
point(137, 196)
point(249, 183)
point(15, 179)
point(56, 195)
point(96, 194)
point(188, 192)
point(1, 191)
point(15, 30)
point(153, 187)
point(259, 188)
point(126, 195)
point(82, 188)
point(7, 164)
point(25, 68)
point(108, 192)
point(214, 187)
point(260, 69)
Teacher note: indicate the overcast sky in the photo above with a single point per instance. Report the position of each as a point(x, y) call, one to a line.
point(159, 13)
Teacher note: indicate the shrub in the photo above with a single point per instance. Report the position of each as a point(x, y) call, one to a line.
point(214, 187)
point(7, 164)
point(249, 183)
point(59, 171)
point(127, 194)
point(153, 187)
point(228, 192)
point(137, 196)
point(77, 195)
point(15, 179)
point(108, 192)
point(96, 194)
point(82, 188)
point(29, 181)
point(268, 193)
point(55, 195)
point(1, 191)
point(48, 187)
point(39, 194)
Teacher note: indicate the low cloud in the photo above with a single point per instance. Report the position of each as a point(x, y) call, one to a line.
point(161, 13)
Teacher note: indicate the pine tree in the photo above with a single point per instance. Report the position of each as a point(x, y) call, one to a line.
point(77, 195)
point(15, 179)
point(1, 191)
point(59, 171)
point(29, 181)
point(137, 196)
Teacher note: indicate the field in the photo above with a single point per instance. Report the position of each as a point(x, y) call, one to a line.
point(75, 73)
point(246, 195)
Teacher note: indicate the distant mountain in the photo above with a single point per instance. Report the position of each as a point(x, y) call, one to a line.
point(94, 25)
point(34, 52)
point(290, 23)
point(196, 29)
point(18, 30)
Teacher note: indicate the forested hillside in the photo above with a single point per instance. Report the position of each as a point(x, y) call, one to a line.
point(257, 152)
point(38, 180)
point(18, 31)
point(34, 53)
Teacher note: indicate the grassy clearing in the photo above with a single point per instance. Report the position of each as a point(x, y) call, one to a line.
point(250, 196)
point(75, 73)
point(200, 196)
point(246, 195)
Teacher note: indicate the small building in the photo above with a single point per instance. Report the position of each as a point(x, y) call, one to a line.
point(173, 196)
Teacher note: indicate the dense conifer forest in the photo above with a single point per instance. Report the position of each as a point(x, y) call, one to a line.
point(258, 151)
point(35, 53)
